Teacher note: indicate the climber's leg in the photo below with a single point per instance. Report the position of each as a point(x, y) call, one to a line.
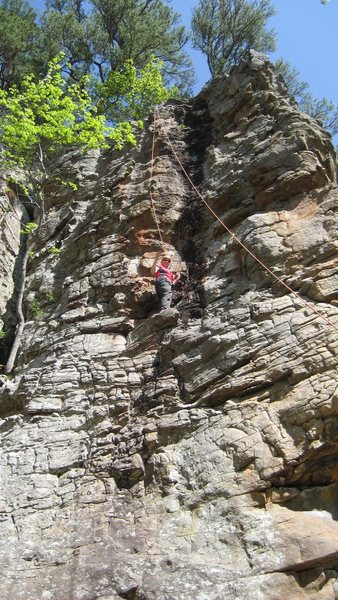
point(164, 292)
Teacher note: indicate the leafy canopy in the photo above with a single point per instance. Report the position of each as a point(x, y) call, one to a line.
point(138, 29)
point(17, 40)
point(225, 29)
point(322, 109)
point(131, 93)
point(44, 117)
point(95, 36)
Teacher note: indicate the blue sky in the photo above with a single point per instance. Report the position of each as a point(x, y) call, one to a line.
point(307, 36)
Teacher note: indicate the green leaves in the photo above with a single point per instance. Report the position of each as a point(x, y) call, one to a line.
point(29, 228)
point(129, 93)
point(318, 108)
point(17, 40)
point(54, 251)
point(45, 116)
point(224, 29)
point(99, 36)
point(95, 36)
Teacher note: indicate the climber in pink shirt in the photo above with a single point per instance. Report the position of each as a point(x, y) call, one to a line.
point(164, 279)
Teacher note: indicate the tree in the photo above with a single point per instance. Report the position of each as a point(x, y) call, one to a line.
point(17, 40)
point(321, 109)
point(44, 117)
point(95, 36)
point(99, 36)
point(130, 93)
point(295, 87)
point(225, 29)
point(35, 123)
point(41, 119)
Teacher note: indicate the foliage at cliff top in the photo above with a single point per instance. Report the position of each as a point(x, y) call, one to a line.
point(225, 29)
point(42, 118)
point(318, 108)
point(130, 93)
point(95, 36)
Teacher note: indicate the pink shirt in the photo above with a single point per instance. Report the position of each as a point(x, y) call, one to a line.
point(161, 271)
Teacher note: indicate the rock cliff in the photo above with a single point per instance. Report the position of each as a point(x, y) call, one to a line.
point(190, 453)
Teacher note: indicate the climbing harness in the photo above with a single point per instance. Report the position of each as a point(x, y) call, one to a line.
point(230, 232)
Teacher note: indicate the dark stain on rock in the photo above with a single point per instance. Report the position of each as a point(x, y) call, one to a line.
point(197, 132)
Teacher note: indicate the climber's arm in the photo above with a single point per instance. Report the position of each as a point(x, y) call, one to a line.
point(154, 265)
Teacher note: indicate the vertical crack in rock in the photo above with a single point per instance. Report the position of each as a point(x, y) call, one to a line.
point(13, 215)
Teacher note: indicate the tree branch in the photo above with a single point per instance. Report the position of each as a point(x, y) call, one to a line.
point(21, 319)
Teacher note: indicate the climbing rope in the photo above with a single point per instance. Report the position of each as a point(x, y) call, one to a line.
point(151, 182)
point(231, 233)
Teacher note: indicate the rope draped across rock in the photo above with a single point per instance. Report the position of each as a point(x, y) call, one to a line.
point(156, 119)
point(151, 182)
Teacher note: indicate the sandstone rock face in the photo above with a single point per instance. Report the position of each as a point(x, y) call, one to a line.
point(190, 453)
point(12, 216)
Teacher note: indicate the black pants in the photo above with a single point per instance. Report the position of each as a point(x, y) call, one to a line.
point(164, 291)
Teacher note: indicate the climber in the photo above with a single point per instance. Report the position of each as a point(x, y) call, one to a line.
point(164, 279)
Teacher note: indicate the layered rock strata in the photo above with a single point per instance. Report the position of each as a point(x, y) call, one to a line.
point(190, 453)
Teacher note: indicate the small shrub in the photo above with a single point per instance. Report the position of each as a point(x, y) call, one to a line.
point(39, 304)
point(28, 228)
point(36, 308)
point(49, 297)
point(54, 250)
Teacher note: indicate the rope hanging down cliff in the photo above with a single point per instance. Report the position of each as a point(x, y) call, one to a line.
point(230, 232)
point(151, 183)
